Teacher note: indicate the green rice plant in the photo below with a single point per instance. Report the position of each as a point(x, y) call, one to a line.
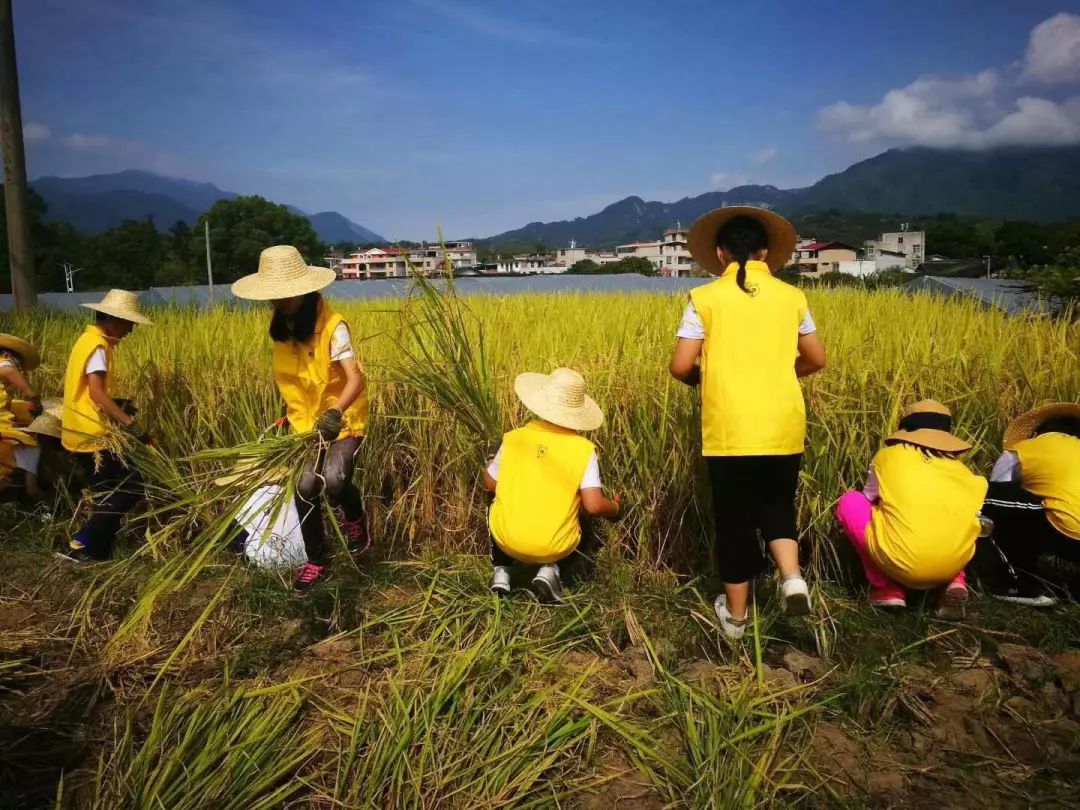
point(236, 747)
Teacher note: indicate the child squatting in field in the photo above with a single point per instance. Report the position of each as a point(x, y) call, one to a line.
point(915, 522)
point(754, 338)
point(546, 481)
point(19, 452)
point(89, 411)
point(318, 374)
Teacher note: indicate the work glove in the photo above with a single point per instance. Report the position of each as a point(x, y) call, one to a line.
point(137, 432)
point(329, 425)
point(35, 406)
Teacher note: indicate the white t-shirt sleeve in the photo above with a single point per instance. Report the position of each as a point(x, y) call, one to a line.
point(493, 467)
point(97, 362)
point(691, 327)
point(27, 458)
point(341, 343)
point(591, 479)
point(871, 489)
point(807, 325)
point(1006, 468)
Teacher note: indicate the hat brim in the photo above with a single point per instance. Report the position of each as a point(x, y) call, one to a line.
point(931, 439)
point(702, 239)
point(536, 393)
point(1024, 426)
point(254, 287)
point(46, 429)
point(30, 356)
point(122, 314)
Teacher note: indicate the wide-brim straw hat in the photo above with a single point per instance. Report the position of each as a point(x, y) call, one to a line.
point(1025, 425)
point(933, 438)
point(559, 398)
point(282, 273)
point(121, 304)
point(30, 357)
point(251, 471)
point(702, 239)
point(46, 425)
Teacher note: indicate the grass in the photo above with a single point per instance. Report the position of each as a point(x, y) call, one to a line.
point(403, 682)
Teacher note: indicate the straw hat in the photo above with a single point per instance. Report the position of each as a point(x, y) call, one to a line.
point(121, 304)
point(929, 424)
point(702, 239)
point(559, 397)
point(250, 471)
point(45, 425)
point(29, 355)
point(1025, 425)
point(55, 410)
point(282, 273)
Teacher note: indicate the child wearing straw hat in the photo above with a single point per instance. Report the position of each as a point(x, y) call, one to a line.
point(915, 523)
point(544, 476)
point(319, 376)
point(17, 358)
point(38, 465)
point(746, 338)
point(1034, 501)
point(90, 415)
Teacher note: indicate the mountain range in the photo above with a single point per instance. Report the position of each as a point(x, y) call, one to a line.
point(1040, 184)
point(102, 201)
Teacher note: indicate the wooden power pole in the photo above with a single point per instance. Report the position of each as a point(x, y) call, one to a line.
point(20, 251)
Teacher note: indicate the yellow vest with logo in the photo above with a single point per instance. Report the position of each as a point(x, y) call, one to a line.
point(1050, 468)
point(535, 517)
point(925, 524)
point(13, 413)
point(310, 382)
point(751, 401)
point(84, 425)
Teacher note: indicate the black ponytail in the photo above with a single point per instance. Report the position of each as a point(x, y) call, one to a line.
point(742, 237)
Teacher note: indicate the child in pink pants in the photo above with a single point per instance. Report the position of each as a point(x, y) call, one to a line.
point(915, 523)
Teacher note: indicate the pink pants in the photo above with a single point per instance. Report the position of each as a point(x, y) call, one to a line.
point(854, 512)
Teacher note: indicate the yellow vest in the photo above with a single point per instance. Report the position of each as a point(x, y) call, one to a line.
point(925, 525)
point(751, 402)
point(13, 414)
point(309, 381)
point(84, 426)
point(1050, 468)
point(535, 515)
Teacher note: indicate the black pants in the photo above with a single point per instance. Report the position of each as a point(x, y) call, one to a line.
point(575, 564)
point(330, 474)
point(751, 494)
point(1023, 532)
point(114, 488)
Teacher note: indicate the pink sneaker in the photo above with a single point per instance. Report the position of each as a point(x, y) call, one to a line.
point(306, 578)
point(952, 603)
point(890, 597)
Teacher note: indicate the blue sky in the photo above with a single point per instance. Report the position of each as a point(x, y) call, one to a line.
point(482, 116)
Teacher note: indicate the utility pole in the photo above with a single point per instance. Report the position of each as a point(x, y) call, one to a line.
point(69, 276)
point(209, 267)
point(987, 258)
point(20, 251)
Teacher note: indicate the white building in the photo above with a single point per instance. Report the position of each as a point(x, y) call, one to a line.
point(669, 254)
point(884, 260)
point(394, 262)
point(911, 244)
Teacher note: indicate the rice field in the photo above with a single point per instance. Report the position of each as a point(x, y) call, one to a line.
point(177, 678)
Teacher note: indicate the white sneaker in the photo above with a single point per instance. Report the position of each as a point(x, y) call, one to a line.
point(500, 580)
point(796, 596)
point(727, 621)
point(547, 585)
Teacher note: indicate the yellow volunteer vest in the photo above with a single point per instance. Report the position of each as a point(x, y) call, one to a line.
point(535, 515)
point(1050, 468)
point(925, 525)
point(13, 414)
point(751, 401)
point(309, 381)
point(84, 426)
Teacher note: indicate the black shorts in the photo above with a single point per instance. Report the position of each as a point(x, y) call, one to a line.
point(751, 494)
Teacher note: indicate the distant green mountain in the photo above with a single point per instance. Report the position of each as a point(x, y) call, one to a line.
point(101, 201)
point(1040, 184)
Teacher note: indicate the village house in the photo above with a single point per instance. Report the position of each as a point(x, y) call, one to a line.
point(815, 258)
point(394, 262)
point(910, 244)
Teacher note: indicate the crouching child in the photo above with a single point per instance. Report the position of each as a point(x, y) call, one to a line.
point(546, 481)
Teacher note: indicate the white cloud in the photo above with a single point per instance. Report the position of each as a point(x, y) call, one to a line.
point(84, 143)
point(501, 27)
point(34, 132)
point(766, 155)
point(1053, 52)
point(722, 181)
point(979, 111)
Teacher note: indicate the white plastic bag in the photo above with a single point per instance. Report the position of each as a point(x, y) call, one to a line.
point(273, 527)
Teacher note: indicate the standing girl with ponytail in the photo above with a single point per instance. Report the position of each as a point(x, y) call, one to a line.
point(754, 338)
